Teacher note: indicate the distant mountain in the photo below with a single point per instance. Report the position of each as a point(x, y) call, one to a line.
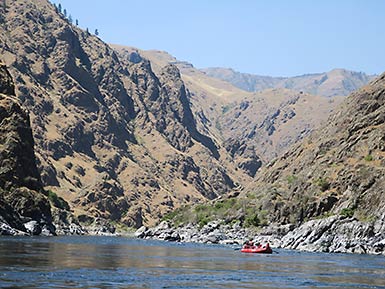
point(255, 127)
point(337, 82)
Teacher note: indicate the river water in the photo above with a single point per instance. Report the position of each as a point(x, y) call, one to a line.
point(119, 262)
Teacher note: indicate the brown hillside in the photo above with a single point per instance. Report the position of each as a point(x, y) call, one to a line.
point(339, 169)
point(254, 128)
point(111, 137)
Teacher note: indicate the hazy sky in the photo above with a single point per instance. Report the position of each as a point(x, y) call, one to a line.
point(278, 38)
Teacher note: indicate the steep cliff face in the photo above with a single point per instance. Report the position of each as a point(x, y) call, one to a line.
point(21, 197)
point(111, 137)
point(339, 167)
point(339, 171)
point(262, 127)
point(252, 128)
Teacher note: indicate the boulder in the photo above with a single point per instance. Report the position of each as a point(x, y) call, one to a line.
point(141, 232)
point(33, 227)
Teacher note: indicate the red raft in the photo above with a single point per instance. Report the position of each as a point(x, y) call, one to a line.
point(265, 249)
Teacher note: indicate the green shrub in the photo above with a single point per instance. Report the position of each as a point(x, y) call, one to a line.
point(347, 212)
point(203, 221)
point(200, 208)
point(291, 179)
point(251, 196)
point(252, 220)
point(323, 184)
point(170, 216)
point(225, 109)
point(57, 201)
point(368, 158)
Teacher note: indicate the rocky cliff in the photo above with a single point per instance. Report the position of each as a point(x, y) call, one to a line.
point(324, 194)
point(338, 171)
point(114, 139)
point(23, 206)
point(263, 126)
point(253, 128)
point(337, 82)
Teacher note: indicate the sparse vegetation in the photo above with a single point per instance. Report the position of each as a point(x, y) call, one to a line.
point(229, 210)
point(323, 184)
point(347, 212)
point(225, 109)
point(291, 179)
point(58, 201)
point(369, 158)
point(218, 125)
point(252, 220)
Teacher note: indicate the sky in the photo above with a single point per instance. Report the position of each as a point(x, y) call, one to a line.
point(276, 37)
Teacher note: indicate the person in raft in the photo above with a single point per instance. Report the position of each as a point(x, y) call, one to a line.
point(248, 244)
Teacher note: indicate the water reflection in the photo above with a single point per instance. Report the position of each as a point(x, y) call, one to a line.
point(105, 262)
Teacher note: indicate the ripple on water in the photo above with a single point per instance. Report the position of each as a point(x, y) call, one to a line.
point(117, 262)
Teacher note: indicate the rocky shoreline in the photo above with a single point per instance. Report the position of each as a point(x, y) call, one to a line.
point(35, 228)
point(333, 234)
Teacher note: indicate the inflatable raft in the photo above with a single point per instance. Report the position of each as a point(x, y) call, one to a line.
point(265, 249)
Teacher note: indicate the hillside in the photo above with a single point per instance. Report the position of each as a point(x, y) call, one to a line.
point(271, 121)
point(342, 160)
point(336, 176)
point(323, 194)
point(254, 128)
point(208, 96)
point(337, 82)
point(114, 139)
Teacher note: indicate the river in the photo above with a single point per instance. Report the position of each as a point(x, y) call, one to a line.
point(119, 262)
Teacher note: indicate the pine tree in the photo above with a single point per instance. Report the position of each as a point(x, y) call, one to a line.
point(77, 22)
point(65, 12)
point(96, 32)
point(59, 7)
point(70, 19)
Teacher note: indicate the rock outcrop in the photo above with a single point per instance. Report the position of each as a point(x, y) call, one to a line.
point(212, 233)
point(23, 206)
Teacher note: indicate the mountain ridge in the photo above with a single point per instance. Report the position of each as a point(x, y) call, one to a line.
point(336, 82)
point(253, 127)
